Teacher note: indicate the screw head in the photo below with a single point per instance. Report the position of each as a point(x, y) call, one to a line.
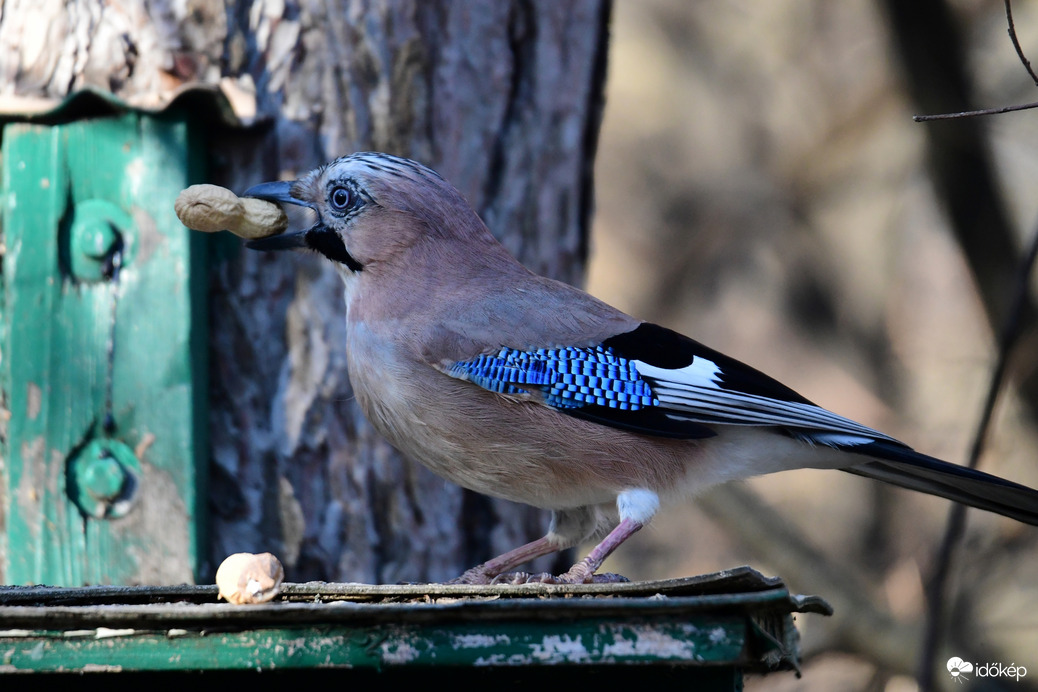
point(103, 479)
point(95, 238)
point(100, 238)
point(103, 476)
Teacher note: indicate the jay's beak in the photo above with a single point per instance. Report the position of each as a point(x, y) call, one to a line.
point(318, 237)
point(279, 192)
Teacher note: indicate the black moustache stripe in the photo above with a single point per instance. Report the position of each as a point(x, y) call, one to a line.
point(329, 244)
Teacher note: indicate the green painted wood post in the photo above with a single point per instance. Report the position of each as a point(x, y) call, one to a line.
point(103, 353)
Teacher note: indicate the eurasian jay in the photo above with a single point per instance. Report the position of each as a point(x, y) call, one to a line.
point(528, 389)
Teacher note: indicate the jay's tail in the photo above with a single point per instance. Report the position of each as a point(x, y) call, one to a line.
point(902, 466)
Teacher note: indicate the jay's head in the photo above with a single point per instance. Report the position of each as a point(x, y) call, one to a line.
point(371, 208)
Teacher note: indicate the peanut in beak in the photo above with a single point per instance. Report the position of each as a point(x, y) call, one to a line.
point(211, 208)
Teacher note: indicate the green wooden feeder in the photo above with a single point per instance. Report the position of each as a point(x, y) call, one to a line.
point(103, 342)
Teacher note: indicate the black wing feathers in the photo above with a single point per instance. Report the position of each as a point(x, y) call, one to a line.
point(665, 348)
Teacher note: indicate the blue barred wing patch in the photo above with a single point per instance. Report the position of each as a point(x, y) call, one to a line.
point(568, 378)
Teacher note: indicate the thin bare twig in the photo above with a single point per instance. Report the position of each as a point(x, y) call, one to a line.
point(956, 527)
point(993, 111)
point(971, 114)
point(1016, 43)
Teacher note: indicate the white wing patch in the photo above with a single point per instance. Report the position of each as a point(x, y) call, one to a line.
point(701, 373)
point(696, 391)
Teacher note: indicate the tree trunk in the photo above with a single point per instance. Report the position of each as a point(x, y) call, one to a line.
point(502, 98)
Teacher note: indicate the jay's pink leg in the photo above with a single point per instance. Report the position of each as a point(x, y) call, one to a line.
point(584, 571)
point(489, 570)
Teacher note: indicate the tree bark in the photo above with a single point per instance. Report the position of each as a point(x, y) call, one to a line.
point(502, 98)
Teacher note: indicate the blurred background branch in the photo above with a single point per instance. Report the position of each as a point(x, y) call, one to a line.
point(937, 605)
point(932, 54)
point(761, 186)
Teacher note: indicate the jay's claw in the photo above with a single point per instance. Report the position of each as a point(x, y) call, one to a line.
point(573, 576)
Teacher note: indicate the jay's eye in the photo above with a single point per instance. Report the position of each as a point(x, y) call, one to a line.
point(339, 198)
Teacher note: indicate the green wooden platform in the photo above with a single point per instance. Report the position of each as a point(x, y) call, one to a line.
point(709, 629)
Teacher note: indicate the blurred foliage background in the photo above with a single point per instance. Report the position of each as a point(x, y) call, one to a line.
point(761, 186)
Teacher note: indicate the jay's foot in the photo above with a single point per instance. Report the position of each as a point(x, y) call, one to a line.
point(567, 578)
point(477, 575)
point(573, 576)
